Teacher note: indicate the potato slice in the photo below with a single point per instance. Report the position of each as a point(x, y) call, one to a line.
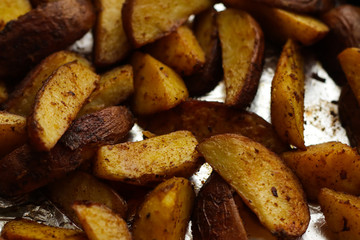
point(12, 132)
point(239, 33)
point(279, 24)
point(149, 161)
point(215, 215)
point(262, 180)
point(166, 211)
point(12, 9)
point(180, 50)
point(287, 96)
point(99, 222)
point(31, 230)
point(22, 99)
point(313, 6)
point(44, 30)
point(341, 212)
point(58, 102)
point(157, 87)
point(80, 186)
point(148, 20)
point(206, 32)
point(332, 165)
point(110, 41)
point(114, 87)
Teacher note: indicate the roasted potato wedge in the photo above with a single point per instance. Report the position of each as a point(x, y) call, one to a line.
point(180, 50)
point(99, 222)
point(240, 33)
point(280, 25)
point(287, 96)
point(114, 87)
point(111, 44)
point(332, 165)
point(30, 230)
point(157, 87)
point(80, 186)
point(12, 9)
point(341, 212)
point(262, 180)
point(205, 119)
point(206, 32)
point(21, 101)
point(12, 132)
point(344, 33)
point(147, 20)
point(312, 6)
point(166, 211)
point(149, 161)
point(58, 24)
point(215, 214)
point(58, 102)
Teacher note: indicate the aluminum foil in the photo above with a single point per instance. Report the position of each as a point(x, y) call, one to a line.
point(321, 125)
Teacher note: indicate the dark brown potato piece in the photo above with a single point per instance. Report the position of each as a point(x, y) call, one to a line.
point(302, 6)
point(42, 31)
point(215, 214)
point(205, 119)
point(344, 33)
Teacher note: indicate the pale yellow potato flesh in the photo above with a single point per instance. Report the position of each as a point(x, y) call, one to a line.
point(342, 213)
point(263, 181)
point(287, 96)
point(12, 9)
point(149, 161)
point(58, 102)
point(165, 213)
point(31, 230)
point(156, 86)
point(242, 45)
point(114, 87)
point(12, 132)
point(110, 41)
point(21, 101)
point(100, 223)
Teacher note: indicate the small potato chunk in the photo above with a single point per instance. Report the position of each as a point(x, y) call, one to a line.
point(12, 9)
point(215, 215)
point(80, 186)
point(242, 45)
point(342, 213)
point(100, 223)
point(30, 230)
point(21, 101)
point(148, 20)
point(332, 165)
point(149, 161)
point(157, 87)
point(166, 211)
point(180, 50)
point(58, 102)
point(110, 41)
point(114, 87)
point(262, 180)
point(280, 25)
point(12, 132)
point(287, 96)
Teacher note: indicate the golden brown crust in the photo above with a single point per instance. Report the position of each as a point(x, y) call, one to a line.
point(44, 30)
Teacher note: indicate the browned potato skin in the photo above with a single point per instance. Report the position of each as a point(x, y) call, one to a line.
point(344, 33)
point(36, 3)
point(206, 32)
point(44, 30)
point(332, 165)
point(205, 119)
point(349, 113)
point(303, 6)
point(342, 213)
point(215, 214)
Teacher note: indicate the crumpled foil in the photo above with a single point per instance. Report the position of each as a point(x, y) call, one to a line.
point(321, 125)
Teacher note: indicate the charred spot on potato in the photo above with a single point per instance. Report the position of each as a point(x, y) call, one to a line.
point(274, 192)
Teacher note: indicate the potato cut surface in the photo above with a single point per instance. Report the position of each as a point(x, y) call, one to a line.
point(12, 9)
